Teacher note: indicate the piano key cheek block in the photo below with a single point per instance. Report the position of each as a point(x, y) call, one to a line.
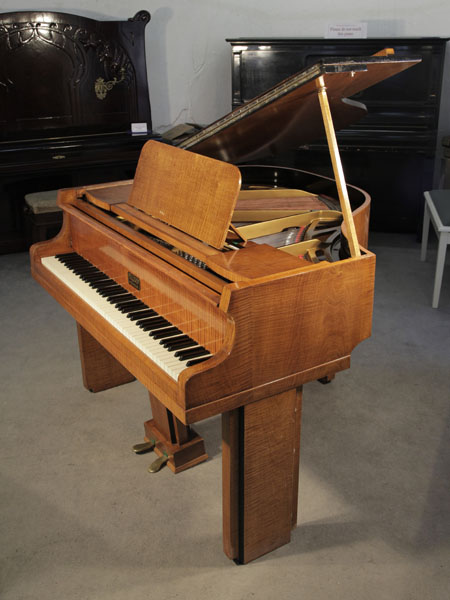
point(169, 283)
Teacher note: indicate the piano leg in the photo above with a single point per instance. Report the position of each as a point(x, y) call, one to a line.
point(101, 371)
point(179, 443)
point(260, 457)
point(173, 440)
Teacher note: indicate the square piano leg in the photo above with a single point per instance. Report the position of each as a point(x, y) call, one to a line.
point(101, 371)
point(260, 454)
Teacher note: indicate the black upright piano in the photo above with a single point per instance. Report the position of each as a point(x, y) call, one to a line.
point(70, 88)
point(393, 152)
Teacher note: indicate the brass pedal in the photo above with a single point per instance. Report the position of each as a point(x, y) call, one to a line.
point(144, 447)
point(158, 464)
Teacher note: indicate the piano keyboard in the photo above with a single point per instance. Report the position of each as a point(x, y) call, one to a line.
point(152, 334)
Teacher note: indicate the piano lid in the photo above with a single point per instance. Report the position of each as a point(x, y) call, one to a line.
point(288, 115)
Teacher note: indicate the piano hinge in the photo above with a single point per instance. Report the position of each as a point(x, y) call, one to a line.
point(235, 239)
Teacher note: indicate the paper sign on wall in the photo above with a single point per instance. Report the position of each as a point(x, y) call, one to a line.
point(346, 30)
point(139, 128)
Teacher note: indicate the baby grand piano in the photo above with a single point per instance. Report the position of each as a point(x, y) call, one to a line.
point(169, 283)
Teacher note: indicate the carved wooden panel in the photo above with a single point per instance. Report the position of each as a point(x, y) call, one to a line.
point(65, 72)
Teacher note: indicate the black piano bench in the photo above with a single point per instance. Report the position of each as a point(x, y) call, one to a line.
point(43, 218)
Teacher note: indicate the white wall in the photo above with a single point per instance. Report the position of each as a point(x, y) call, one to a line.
point(189, 62)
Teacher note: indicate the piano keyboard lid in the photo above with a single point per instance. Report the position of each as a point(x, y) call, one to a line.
point(288, 115)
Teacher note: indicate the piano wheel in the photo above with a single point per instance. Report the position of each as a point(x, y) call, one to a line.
point(326, 379)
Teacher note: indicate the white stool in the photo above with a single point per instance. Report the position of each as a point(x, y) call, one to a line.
point(437, 208)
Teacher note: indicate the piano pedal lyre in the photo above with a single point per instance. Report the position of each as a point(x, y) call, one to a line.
point(144, 447)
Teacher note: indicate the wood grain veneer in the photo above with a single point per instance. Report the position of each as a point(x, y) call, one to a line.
point(289, 324)
point(100, 370)
point(274, 325)
point(261, 445)
point(194, 193)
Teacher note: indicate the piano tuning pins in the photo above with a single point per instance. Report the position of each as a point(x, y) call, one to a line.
point(158, 463)
point(144, 447)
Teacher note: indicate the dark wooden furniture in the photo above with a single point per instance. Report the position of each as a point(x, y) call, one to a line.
point(255, 322)
point(393, 152)
point(70, 87)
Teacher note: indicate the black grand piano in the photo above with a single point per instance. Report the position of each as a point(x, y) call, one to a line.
point(70, 88)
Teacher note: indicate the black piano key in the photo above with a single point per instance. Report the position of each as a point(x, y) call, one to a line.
point(155, 325)
point(194, 361)
point(70, 260)
point(191, 353)
point(95, 273)
point(164, 333)
point(97, 276)
point(130, 306)
point(72, 265)
point(183, 346)
point(112, 289)
point(123, 301)
point(180, 338)
point(133, 303)
point(74, 259)
point(117, 296)
point(92, 282)
point(150, 319)
point(80, 268)
point(86, 276)
point(120, 297)
point(178, 345)
point(100, 285)
point(142, 314)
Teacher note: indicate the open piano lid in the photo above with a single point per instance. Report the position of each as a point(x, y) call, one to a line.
point(197, 195)
point(288, 115)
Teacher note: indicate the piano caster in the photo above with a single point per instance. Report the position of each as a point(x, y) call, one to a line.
point(144, 447)
point(326, 379)
point(158, 463)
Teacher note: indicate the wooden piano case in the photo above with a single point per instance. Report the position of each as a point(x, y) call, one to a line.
point(264, 321)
